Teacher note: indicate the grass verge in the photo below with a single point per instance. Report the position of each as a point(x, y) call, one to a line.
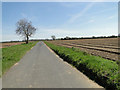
point(13, 54)
point(102, 71)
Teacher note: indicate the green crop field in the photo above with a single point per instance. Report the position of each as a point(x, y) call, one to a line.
point(13, 54)
point(103, 71)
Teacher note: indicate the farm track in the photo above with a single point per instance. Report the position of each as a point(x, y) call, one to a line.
point(106, 48)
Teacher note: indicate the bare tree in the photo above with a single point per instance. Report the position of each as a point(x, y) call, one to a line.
point(53, 37)
point(25, 29)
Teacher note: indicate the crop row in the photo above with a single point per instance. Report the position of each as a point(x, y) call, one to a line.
point(110, 50)
point(108, 53)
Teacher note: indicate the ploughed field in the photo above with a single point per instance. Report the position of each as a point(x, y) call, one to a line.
point(8, 44)
point(107, 48)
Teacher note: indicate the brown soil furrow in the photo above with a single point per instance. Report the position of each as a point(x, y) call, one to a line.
point(94, 48)
point(106, 55)
point(110, 47)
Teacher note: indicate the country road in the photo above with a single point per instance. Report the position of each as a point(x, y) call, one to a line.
point(41, 68)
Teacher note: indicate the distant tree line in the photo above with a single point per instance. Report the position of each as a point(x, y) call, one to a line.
point(68, 38)
point(93, 37)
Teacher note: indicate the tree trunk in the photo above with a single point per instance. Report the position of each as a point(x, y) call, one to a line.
point(27, 40)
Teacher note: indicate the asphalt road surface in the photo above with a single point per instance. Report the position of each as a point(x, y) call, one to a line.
point(41, 68)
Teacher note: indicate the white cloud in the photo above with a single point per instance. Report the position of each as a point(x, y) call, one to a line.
point(91, 21)
point(61, 32)
point(111, 17)
point(11, 37)
point(31, 18)
point(46, 33)
point(78, 15)
point(23, 15)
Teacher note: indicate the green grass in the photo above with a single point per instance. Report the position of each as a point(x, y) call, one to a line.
point(13, 54)
point(103, 71)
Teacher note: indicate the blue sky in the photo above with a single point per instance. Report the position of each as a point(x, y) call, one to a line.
point(74, 19)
